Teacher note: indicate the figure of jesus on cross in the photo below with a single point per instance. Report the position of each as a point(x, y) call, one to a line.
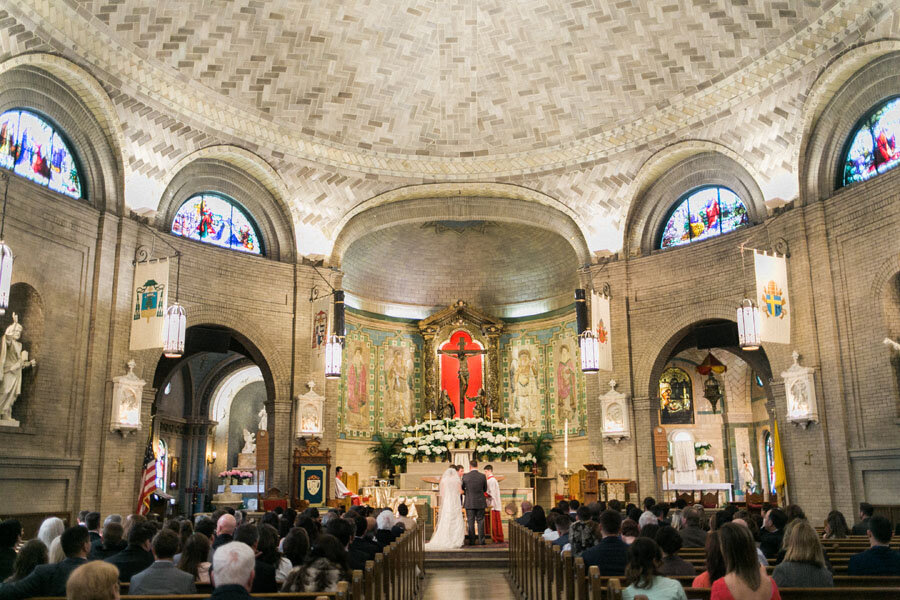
point(462, 355)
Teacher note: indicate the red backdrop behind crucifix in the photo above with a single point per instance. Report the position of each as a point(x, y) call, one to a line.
point(450, 372)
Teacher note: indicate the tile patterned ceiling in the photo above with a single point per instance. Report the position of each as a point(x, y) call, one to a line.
point(349, 99)
point(452, 77)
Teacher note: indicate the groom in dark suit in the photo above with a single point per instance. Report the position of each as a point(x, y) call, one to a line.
point(474, 484)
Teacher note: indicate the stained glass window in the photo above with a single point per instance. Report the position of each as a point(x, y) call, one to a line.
point(162, 455)
point(874, 148)
point(676, 398)
point(704, 213)
point(33, 149)
point(217, 220)
point(770, 460)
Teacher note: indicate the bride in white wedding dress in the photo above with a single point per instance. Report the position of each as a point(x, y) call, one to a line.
point(451, 527)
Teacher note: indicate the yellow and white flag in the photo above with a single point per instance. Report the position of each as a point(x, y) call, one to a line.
point(149, 299)
point(600, 327)
point(774, 300)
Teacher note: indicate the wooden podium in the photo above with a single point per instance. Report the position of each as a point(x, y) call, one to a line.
point(311, 476)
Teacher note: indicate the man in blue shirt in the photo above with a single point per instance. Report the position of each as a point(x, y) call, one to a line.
point(879, 559)
point(609, 553)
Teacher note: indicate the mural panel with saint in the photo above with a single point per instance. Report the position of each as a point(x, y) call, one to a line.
point(397, 385)
point(525, 386)
point(357, 397)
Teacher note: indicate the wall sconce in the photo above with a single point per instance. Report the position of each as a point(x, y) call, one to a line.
point(211, 458)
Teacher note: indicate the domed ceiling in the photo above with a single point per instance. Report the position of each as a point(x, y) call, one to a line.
point(454, 78)
point(492, 266)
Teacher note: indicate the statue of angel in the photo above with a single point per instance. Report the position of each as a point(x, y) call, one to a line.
point(249, 442)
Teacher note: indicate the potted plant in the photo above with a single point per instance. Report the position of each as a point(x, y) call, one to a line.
point(541, 451)
point(381, 454)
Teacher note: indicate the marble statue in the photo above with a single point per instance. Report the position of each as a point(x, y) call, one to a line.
point(263, 420)
point(13, 360)
point(748, 473)
point(249, 443)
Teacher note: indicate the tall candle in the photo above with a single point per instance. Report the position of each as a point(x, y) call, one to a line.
point(566, 447)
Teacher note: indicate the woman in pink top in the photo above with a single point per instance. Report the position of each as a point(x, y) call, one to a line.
point(745, 578)
point(715, 564)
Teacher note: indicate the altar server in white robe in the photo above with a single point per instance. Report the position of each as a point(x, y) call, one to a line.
point(340, 489)
point(493, 490)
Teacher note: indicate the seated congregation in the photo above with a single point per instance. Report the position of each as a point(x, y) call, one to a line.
point(361, 552)
point(611, 551)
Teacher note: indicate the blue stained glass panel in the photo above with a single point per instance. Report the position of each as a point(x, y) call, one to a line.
point(875, 147)
point(33, 149)
point(216, 220)
point(702, 214)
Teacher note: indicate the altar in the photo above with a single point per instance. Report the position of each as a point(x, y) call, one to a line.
point(718, 488)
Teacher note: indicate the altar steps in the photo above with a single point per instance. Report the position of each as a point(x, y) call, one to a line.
point(481, 557)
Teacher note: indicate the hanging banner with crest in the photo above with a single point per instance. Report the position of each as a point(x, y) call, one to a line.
point(149, 300)
point(774, 301)
point(600, 327)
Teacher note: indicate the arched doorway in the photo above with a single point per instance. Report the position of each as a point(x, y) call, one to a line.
point(705, 389)
point(222, 375)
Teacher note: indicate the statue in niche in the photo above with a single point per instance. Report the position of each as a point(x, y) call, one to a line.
point(13, 360)
point(398, 384)
point(526, 395)
point(748, 473)
point(798, 400)
point(895, 358)
point(249, 442)
point(615, 420)
point(309, 419)
point(263, 419)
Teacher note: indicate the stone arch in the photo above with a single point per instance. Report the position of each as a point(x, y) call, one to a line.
point(672, 172)
point(489, 202)
point(77, 103)
point(850, 86)
point(652, 361)
point(246, 178)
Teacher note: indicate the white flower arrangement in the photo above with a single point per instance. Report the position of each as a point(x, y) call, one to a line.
point(527, 458)
point(431, 438)
point(704, 460)
point(702, 446)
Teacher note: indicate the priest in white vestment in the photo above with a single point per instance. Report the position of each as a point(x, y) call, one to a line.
point(495, 505)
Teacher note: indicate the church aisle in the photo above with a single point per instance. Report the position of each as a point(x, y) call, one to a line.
point(468, 584)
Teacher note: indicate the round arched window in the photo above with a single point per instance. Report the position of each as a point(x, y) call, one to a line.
point(217, 220)
point(701, 214)
point(32, 148)
point(873, 146)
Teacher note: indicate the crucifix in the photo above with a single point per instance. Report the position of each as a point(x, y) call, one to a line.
point(462, 355)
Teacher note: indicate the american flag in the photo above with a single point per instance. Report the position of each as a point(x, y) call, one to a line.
point(148, 480)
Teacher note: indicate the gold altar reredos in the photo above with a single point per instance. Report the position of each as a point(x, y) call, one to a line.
point(483, 328)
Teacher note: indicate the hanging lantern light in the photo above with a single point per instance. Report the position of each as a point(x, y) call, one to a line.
point(334, 356)
point(712, 389)
point(175, 323)
point(6, 264)
point(174, 331)
point(6, 255)
point(590, 352)
point(748, 325)
point(334, 348)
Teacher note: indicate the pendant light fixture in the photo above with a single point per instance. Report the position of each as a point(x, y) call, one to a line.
point(747, 318)
point(6, 255)
point(175, 324)
point(334, 347)
point(590, 352)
